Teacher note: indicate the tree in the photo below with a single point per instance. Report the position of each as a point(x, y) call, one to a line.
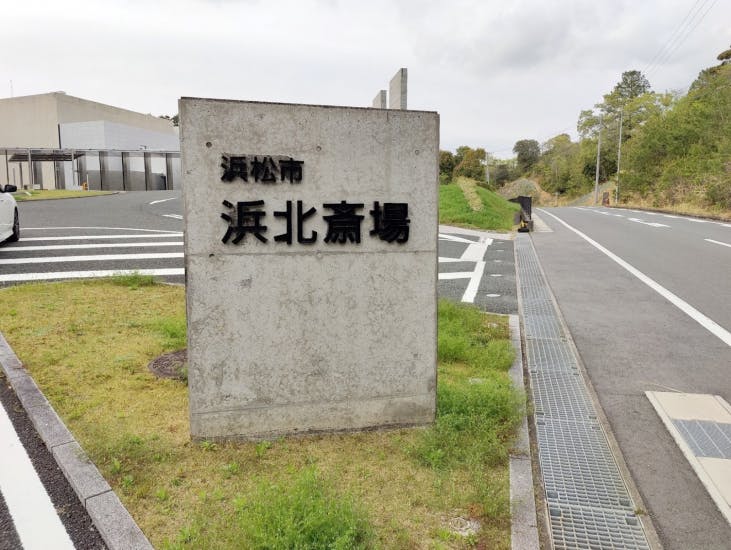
point(528, 151)
point(632, 85)
point(472, 163)
point(446, 165)
point(175, 118)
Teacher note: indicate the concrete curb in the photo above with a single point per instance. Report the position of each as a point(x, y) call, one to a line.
point(68, 198)
point(523, 524)
point(110, 517)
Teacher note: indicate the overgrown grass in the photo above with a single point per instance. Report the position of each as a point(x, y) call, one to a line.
point(38, 194)
point(87, 345)
point(496, 214)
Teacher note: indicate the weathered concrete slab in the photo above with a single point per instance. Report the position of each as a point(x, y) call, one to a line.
point(397, 90)
point(381, 100)
point(309, 336)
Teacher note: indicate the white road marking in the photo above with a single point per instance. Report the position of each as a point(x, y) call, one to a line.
point(162, 200)
point(456, 275)
point(444, 260)
point(725, 224)
point(98, 227)
point(21, 277)
point(86, 246)
point(718, 242)
point(174, 216)
point(618, 215)
point(92, 258)
point(671, 216)
point(472, 286)
point(696, 220)
point(495, 275)
point(454, 239)
point(706, 322)
point(34, 516)
point(651, 224)
point(90, 237)
point(493, 295)
point(475, 252)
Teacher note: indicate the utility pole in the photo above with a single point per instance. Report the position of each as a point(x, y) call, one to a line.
point(619, 156)
point(598, 156)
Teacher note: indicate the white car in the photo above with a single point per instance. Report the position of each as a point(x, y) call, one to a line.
point(9, 221)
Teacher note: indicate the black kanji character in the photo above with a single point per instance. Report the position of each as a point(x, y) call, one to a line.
point(301, 217)
point(247, 221)
point(234, 167)
point(391, 223)
point(264, 170)
point(344, 224)
point(291, 169)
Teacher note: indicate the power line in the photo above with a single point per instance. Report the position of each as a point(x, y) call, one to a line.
point(690, 26)
point(672, 37)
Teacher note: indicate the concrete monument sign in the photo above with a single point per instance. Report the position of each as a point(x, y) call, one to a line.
point(311, 257)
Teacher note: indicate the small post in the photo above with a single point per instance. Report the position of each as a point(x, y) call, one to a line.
point(598, 156)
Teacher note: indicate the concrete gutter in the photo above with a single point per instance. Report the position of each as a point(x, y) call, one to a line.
point(110, 517)
point(523, 522)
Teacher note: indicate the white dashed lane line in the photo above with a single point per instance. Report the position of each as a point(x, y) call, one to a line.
point(162, 200)
point(718, 242)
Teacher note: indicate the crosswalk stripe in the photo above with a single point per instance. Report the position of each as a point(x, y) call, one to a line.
point(56, 228)
point(25, 277)
point(90, 258)
point(87, 246)
point(90, 237)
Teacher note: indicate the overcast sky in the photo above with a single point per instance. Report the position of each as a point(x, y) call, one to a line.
point(496, 71)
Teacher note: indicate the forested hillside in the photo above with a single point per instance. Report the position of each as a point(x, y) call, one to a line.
point(667, 148)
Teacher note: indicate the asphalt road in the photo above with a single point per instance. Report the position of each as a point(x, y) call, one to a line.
point(632, 339)
point(95, 236)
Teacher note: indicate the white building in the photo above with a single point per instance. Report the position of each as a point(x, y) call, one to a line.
point(69, 141)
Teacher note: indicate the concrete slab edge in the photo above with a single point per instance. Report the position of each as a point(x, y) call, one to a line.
point(690, 456)
point(523, 519)
point(110, 517)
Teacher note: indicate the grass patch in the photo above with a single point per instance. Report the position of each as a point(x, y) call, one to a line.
point(496, 214)
point(87, 344)
point(38, 194)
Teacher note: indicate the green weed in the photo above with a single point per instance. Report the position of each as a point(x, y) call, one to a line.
point(303, 514)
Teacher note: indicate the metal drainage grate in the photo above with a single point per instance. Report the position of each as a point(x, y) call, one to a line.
point(706, 438)
point(588, 502)
point(561, 396)
point(578, 467)
point(549, 355)
point(578, 527)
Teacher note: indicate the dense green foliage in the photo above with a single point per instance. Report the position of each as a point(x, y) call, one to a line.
point(684, 152)
point(497, 213)
point(465, 162)
point(528, 152)
point(674, 149)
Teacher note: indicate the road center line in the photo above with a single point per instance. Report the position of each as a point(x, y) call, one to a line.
point(34, 516)
point(718, 242)
point(93, 258)
point(707, 323)
point(86, 246)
